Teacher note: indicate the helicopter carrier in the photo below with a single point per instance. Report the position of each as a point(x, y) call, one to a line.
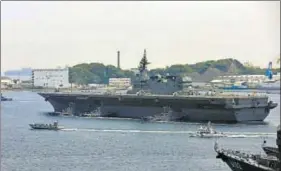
point(152, 95)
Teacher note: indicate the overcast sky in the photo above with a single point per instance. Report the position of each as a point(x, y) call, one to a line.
point(51, 34)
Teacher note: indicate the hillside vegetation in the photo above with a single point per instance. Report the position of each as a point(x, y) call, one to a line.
point(202, 71)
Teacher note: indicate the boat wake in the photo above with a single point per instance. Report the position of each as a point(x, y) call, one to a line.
point(69, 129)
point(191, 133)
point(246, 136)
point(126, 131)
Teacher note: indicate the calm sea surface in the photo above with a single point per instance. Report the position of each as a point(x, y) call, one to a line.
point(90, 144)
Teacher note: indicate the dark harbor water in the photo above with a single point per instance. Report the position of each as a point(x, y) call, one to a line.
point(90, 144)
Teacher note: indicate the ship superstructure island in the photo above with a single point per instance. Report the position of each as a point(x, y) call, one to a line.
point(152, 95)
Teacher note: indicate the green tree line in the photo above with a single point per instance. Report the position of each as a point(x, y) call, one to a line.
point(87, 73)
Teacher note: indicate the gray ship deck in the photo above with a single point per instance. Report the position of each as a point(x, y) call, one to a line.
point(153, 96)
point(215, 108)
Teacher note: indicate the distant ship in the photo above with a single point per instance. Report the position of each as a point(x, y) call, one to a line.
point(150, 95)
point(261, 86)
point(5, 98)
point(53, 126)
point(269, 85)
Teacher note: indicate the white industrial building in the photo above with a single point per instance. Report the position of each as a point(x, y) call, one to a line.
point(6, 82)
point(51, 78)
point(119, 82)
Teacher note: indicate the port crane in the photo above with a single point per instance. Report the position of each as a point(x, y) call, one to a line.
point(268, 72)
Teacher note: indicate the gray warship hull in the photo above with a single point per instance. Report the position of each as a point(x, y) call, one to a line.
point(237, 164)
point(183, 108)
point(273, 151)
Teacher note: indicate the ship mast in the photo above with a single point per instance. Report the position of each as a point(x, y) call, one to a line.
point(143, 63)
point(143, 69)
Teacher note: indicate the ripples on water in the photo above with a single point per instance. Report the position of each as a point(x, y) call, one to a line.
point(89, 144)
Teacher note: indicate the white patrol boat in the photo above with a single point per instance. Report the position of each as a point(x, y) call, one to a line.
point(207, 132)
point(53, 126)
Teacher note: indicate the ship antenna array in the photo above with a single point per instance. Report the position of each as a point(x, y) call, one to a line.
point(143, 63)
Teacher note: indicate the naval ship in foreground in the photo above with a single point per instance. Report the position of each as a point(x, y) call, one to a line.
point(273, 151)
point(239, 161)
point(150, 95)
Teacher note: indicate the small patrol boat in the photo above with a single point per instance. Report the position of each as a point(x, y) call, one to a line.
point(53, 126)
point(207, 132)
point(5, 98)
